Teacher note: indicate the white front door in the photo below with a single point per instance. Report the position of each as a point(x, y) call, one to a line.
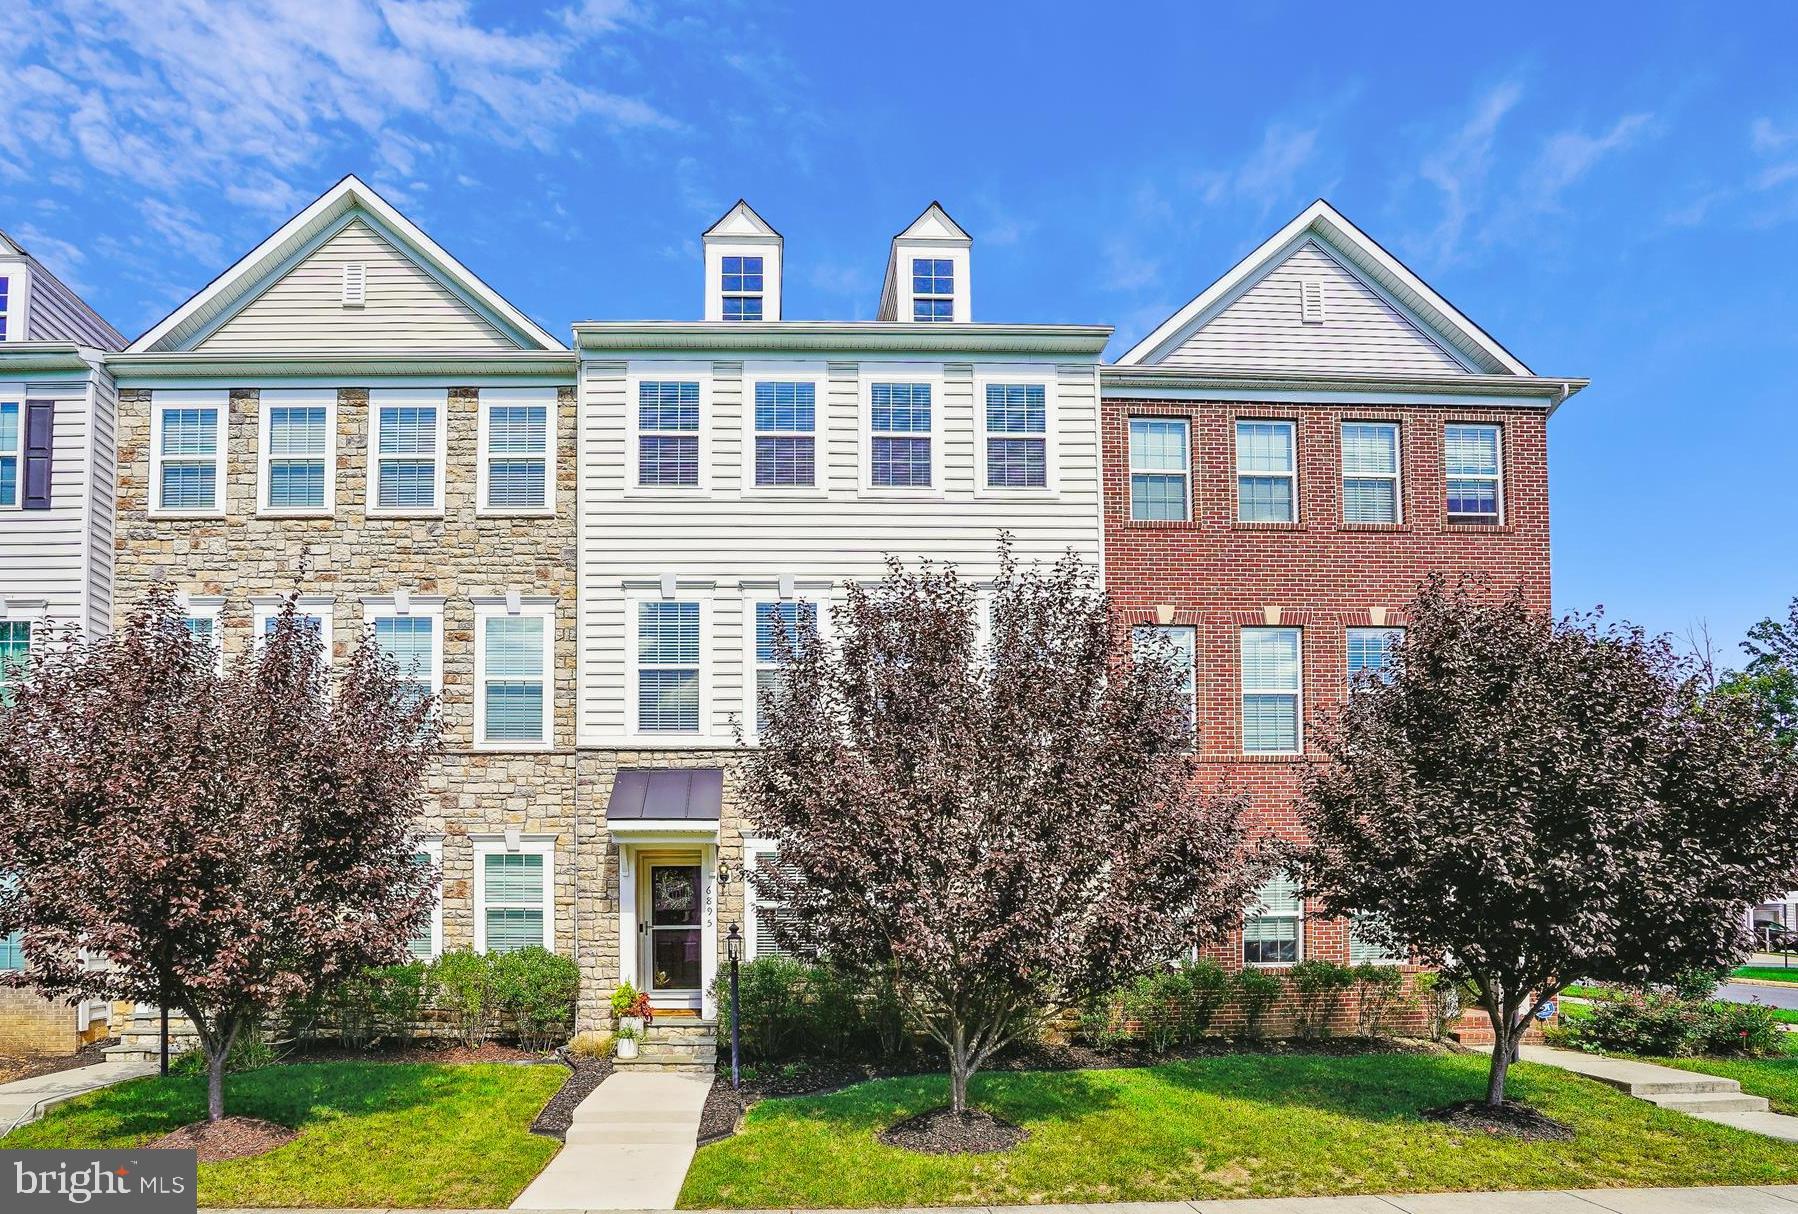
point(671, 930)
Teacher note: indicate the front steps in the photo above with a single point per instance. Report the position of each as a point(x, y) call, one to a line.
point(140, 1040)
point(689, 1045)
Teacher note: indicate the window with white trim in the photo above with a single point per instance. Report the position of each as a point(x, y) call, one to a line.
point(1273, 930)
point(1182, 649)
point(518, 435)
point(15, 655)
point(413, 642)
point(1159, 469)
point(1017, 436)
point(12, 945)
point(667, 668)
point(759, 911)
point(1266, 472)
point(899, 434)
point(513, 660)
point(1370, 652)
point(1271, 666)
point(426, 941)
point(5, 298)
point(798, 620)
point(667, 433)
point(932, 289)
point(187, 451)
point(1471, 462)
point(1365, 950)
point(297, 444)
point(786, 422)
point(12, 439)
point(742, 284)
point(1370, 472)
point(312, 613)
point(514, 896)
point(203, 620)
point(409, 443)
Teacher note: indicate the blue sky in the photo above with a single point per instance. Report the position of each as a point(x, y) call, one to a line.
point(1610, 190)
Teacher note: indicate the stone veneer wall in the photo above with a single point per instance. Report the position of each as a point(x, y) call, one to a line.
point(32, 1025)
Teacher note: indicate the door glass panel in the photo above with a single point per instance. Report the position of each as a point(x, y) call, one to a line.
point(674, 909)
point(677, 959)
point(674, 895)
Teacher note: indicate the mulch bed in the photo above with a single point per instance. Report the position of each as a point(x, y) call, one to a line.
point(946, 1132)
point(227, 1138)
point(1512, 1119)
point(584, 1074)
point(446, 1052)
point(30, 1066)
point(723, 1113)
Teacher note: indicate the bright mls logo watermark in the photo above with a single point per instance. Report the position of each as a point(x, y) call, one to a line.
point(141, 1182)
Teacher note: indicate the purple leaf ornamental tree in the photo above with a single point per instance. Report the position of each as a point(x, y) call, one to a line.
point(1529, 803)
point(220, 843)
point(1002, 827)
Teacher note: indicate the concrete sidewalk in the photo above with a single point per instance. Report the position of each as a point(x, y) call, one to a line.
point(1708, 1097)
point(25, 1100)
point(1769, 1199)
point(628, 1146)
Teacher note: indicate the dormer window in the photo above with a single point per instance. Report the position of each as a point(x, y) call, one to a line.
point(5, 301)
point(932, 289)
point(742, 284)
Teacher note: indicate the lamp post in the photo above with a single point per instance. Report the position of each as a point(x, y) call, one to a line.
point(733, 948)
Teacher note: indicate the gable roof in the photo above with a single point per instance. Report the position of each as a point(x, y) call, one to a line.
point(54, 312)
point(1362, 255)
point(344, 203)
point(742, 221)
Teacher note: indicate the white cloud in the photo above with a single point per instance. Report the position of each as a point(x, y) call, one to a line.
point(1126, 269)
point(1458, 169)
point(64, 260)
point(1269, 175)
point(1760, 199)
point(1570, 155)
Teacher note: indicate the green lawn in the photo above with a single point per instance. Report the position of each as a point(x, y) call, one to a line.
point(1240, 1126)
point(371, 1134)
point(1773, 973)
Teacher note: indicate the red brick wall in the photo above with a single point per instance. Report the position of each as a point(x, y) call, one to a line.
point(1323, 575)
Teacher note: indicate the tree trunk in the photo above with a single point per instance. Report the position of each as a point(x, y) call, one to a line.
point(218, 1052)
point(958, 1069)
point(1504, 1053)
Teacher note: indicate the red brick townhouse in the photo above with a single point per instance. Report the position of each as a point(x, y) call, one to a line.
point(1284, 460)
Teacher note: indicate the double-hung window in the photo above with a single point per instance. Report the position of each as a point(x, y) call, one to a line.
point(1370, 652)
point(899, 431)
point(1273, 929)
point(312, 614)
point(1182, 649)
point(1017, 435)
point(518, 437)
point(786, 423)
point(798, 621)
point(1471, 464)
point(1364, 946)
point(513, 646)
point(932, 289)
point(297, 445)
point(667, 433)
point(1266, 472)
point(426, 940)
point(1159, 469)
point(514, 896)
point(203, 624)
point(187, 452)
point(15, 655)
point(408, 630)
point(1370, 472)
point(5, 299)
point(1270, 690)
point(409, 450)
point(742, 287)
point(667, 667)
point(761, 911)
point(12, 436)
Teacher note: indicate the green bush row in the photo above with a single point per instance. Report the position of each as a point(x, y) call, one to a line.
point(791, 1009)
point(1671, 1025)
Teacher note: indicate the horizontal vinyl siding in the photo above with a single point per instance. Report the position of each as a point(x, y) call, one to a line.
point(56, 313)
point(41, 551)
point(1263, 330)
point(101, 485)
point(630, 540)
point(405, 307)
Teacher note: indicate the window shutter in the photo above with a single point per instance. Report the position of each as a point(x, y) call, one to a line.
point(355, 277)
point(40, 426)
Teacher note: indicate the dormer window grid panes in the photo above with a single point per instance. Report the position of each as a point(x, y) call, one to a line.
point(742, 288)
point(785, 434)
point(5, 302)
point(932, 289)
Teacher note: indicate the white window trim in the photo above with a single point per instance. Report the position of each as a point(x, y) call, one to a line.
point(208, 607)
point(290, 398)
point(427, 606)
point(1246, 690)
point(817, 375)
point(433, 847)
point(18, 280)
point(1185, 424)
point(265, 607)
point(753, 851)
point(1292, 440)
point(489, 608)
point(1298, 947)
point(1192, 667)
point(1396, 476)
point(717, 248)
point(1045, 375)
point(633, 599)
point(635, 376)
point(1380, 955)
point(162, 400)
point(817, 594)
point(1498, 480)
point(903, 297)
point(31, 613)
point(488, 845)
point(1348, 634)
point(545, 397)
point(929, 374)
point(379, 398)
point(14, 394)
point(760, 296)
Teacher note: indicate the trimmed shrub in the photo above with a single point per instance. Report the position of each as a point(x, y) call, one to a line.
point(1746, 1029)
point(1317, 988)
point(773, 994)
point(1664, 1026)
point(533, 995)
point(1100, 1027)
point(378, 1004)
point(1378, 990)
point(249, 1049)
point(1441, 999)
point(462, 985)
point(1256, 992)
point(1155, 1004)
point(1208, 988)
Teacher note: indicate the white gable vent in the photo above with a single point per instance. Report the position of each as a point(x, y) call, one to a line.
point(355, 282)
point(1311, 300)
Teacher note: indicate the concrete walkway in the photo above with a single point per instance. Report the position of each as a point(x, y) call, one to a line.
point(1709, 1097)
point(1769, 1199)
point(25, 1100)
point(629, 1145)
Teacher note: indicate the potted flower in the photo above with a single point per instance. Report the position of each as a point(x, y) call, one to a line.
point(626, 1037)
point(630, 1007)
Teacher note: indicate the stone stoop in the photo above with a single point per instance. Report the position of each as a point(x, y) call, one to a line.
point(140, 1040)
point(675, 1045)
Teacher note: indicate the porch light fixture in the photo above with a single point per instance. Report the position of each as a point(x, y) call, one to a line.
point(733, 944)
